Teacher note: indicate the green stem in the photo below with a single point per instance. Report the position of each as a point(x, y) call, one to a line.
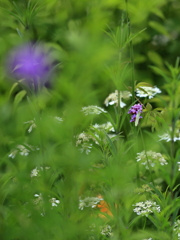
point(131, 53)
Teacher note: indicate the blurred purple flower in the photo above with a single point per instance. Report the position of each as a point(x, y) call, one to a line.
point(32, 63)
point(134, 110)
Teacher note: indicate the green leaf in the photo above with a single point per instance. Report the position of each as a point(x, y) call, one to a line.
point(12, 89)
point(143, 84)
point(18, 98)
point(158, 27)
point(155, 58)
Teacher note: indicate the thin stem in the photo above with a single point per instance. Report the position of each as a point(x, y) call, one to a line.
point(131, 53)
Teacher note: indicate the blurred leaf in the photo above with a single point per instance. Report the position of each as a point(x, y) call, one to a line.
point(18, 98)
point(155, 58)
point(158, 27)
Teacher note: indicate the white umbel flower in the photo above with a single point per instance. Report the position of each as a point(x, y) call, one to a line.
point(112, 99)
point(93, 110)
point(146, 208)
point(83, 141)
point(89, 202)
point(108, 127)
point(150, 158)
point(149, 92)
point(106, 230)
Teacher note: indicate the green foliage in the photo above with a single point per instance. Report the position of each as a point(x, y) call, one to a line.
point(70, 173)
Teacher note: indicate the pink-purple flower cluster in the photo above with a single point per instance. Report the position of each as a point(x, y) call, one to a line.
point(134, 110)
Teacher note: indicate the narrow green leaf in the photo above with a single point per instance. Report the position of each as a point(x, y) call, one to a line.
point(18, 98)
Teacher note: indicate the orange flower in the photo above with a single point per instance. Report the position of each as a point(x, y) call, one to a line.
point(104, 208)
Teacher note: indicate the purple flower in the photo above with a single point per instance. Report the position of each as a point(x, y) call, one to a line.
point(30, 62)
point(135, 112)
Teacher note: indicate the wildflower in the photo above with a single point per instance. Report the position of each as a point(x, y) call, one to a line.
point(31, 124)
point(89, 202)
point(176, 228)
point(150, 158)
point(106, 230)
point(167, 137)
point(178, 166)
point(103, 206)
point(32, 63)
point(58, 119)
point(54, 202)
point(83, 139)
point(23, 150)
point(38, 200)
point(93, 110)
point(145, 208)
point(105, 126)
point(149, 92)
point(35, 171)
point(135, 112)
point(113, 98)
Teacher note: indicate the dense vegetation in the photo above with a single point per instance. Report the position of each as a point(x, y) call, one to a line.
point(89, 127)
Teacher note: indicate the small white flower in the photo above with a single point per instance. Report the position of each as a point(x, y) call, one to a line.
point(93, 110)
point(23, 150)
point(113, 98)
point(150, 158)
point(83, 140)
point(176, 228)
point(54, 202)
point(167, 137)
point(145, 208)
point(108, 127)
point(38, 200)
point(36, 171)
point(32, 125)
point(58, 119)
point(149, 92)
point(106, 230)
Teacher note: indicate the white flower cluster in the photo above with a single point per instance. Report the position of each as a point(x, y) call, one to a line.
point(108, 127)
point(167, 137)
point(89, 202)
point(148, 239)
point(149, 92)
point(113, 98)
point(106, 230)
point(150, 158)
point(93, 110)
point(23, 150)
point(176, 228)
point(145, 208)
point(83, 140)
point(39, 200)
point(35, 171)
